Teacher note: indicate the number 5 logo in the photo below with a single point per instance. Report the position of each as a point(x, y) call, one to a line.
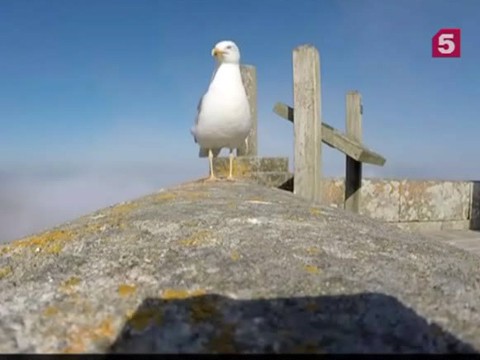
point(446, 43)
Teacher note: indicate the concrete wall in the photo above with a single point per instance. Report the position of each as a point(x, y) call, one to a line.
point(414, 204)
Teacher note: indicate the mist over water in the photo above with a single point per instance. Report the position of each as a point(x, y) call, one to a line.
point(32, 200)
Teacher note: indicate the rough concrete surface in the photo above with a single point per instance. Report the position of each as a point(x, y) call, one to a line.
point(422, 200)
point(463, 239)
point(235, 267)
point(413, 204)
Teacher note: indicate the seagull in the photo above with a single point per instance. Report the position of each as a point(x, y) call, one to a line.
point(223, 112)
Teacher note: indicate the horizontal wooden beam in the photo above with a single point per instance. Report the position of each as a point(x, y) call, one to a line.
point(335, 139)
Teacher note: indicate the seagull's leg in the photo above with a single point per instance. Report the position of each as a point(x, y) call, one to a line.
point(210, 160)
point(230, 157)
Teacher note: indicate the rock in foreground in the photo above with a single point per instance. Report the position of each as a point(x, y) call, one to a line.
point(235, 267)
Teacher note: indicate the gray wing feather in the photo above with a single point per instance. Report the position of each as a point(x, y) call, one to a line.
point(204, 152)
point(199, 108)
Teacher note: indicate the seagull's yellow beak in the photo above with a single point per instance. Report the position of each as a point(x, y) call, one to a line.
point(217, 52)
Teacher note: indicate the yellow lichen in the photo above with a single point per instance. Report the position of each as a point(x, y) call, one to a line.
point(164, 196)
point(125, 290)
point(240, 168)
point(55, 248)
point(50, 311)
point(313, 250)
point(5, 271)
point(78, 339)
point(68, 286)
point(72, 281)
point(225, 341)
point(199, 238)
point(51, 242)
point(312, 269)
point(194, 195)
point(142, 319)
point(235, 255)
point(315, 211)
point(178, 294)
point(129, 314)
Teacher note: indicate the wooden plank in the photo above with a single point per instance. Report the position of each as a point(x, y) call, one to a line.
point(353, 168)
point(335, 139)
point(307, 127)
point(249, 77)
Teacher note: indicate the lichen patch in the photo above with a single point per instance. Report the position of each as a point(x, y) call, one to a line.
point(5, 271)
point(312, 269)
point(200, 238)
point(176, 294)
point(125, 290)
point(78, 339)
point(50, 242)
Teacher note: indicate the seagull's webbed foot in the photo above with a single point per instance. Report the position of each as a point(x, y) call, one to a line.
point(211, 178)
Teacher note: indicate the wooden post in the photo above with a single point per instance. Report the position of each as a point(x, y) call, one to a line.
point(353, 176)
point(249, 77)
point(308, 122)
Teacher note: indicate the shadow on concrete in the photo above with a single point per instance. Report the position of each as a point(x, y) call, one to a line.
point(287, 185)
point(475, 209)
point(363, 323)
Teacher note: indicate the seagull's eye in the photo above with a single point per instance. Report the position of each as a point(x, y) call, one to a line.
point(229, 47)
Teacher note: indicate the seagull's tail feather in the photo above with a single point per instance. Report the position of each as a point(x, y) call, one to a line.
point(204, 152)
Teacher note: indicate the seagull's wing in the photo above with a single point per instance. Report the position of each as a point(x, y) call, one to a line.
point(200, 102)
point(199, 108)
point(204, 152)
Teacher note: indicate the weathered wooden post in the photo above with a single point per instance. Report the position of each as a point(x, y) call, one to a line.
point(308, 122)
point(353, 175)
point(249, 77)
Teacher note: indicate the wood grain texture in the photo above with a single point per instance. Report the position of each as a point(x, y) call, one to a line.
point(249, 77)
point(335, 139)
point(307, 127)
point(353, 174)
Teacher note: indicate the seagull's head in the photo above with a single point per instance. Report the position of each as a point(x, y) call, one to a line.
point(227, 52)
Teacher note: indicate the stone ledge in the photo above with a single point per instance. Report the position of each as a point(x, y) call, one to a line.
point(434, 225)
point(235, 267)
point(244, 166)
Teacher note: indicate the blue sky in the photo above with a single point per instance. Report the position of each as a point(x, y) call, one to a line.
point(94, 91)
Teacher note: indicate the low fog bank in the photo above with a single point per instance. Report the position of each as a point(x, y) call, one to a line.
point(32, 200)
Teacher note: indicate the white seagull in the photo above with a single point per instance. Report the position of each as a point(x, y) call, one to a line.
point(223, 113)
